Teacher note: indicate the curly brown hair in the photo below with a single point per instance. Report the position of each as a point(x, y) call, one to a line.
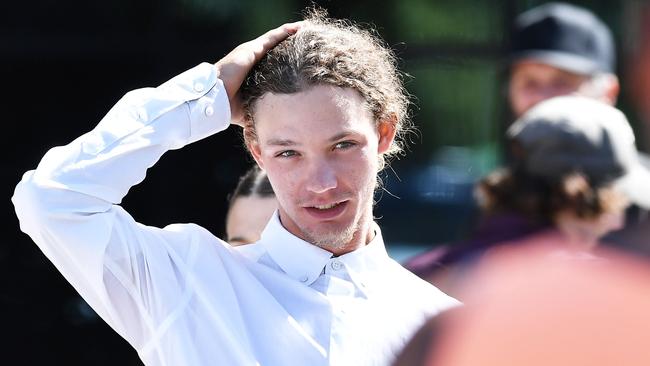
point(541, 199)
point(333, 52)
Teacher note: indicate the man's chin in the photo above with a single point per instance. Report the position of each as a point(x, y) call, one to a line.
point(331, 240)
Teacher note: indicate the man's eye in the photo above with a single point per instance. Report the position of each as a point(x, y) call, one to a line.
point(286, 154)
point(344, 145)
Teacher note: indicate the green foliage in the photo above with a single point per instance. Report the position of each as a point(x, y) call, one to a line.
point(457, 104)
point(448, 21)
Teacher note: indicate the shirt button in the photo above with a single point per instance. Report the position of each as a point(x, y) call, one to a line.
point(304, 279)
point(336, 265)
point(209, 111)
point(198, 87)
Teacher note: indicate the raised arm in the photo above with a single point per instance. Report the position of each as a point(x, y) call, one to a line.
point(69, 205)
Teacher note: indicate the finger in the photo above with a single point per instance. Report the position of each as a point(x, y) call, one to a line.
point(271, 38)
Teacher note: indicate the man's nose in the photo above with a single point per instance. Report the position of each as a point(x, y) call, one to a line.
point(539, 95)
point(321, 177)
point(550, 91)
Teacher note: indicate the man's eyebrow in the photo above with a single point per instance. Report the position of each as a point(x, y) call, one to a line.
point(341, 135)
point(288, 142)
point(281, 142)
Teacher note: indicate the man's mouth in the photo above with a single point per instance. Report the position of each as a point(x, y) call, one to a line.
point(326, 207)
point(327, 211)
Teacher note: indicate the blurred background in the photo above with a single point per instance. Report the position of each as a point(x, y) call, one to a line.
point(65, 63)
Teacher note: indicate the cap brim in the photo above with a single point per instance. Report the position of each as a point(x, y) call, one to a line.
point(636, 183)
point(561, 60)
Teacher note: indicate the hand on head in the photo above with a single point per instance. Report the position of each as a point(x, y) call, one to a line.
point(234, 67)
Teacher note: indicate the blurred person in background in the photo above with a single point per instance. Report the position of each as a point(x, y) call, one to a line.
point(323, 109)
point(556, 49)
point(559, 49)
point(574, 170)
point(250, 206)
point(538, 304)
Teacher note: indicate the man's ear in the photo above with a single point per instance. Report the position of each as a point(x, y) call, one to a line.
point(256, 152)
point(386, 130)
point(604, 87)
point(612, 89)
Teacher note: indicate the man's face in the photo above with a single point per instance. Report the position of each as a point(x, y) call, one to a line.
point(320, 149)
point(532, 82)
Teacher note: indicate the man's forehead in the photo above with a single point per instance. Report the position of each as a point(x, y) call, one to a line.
point(540, 66)
point(323, 112)
point(317, 93)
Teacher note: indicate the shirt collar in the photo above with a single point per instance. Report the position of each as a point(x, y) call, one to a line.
point(365, 262)
point(299, 259)
point(369, 257)
point(305, 262)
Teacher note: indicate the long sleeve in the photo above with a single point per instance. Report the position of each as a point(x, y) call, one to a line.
point(69, 205)
point(181, 296)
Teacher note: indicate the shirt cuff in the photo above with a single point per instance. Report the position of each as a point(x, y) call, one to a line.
point(210, 113)
point(206, 99)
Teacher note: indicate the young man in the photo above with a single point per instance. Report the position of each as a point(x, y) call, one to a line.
point(320, 111)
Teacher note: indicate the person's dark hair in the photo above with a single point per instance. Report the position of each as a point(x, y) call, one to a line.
point(254, 182)
point(333, 52)
point(513, 190)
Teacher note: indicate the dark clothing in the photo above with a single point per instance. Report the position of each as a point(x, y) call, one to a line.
point(635, 236)
point(491, 231)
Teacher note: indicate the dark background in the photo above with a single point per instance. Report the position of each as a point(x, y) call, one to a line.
point(65, 63)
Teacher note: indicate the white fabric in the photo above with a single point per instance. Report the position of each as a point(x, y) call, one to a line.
point(181, 296)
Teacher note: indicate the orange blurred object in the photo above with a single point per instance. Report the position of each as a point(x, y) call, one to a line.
point(541, 304)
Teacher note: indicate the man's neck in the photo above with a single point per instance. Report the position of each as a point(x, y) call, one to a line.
point(362, 237)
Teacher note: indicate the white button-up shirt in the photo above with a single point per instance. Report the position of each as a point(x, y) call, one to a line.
point(181, 296)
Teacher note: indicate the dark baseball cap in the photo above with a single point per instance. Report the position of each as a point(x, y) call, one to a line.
point(565, 134)
point(564, 36)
